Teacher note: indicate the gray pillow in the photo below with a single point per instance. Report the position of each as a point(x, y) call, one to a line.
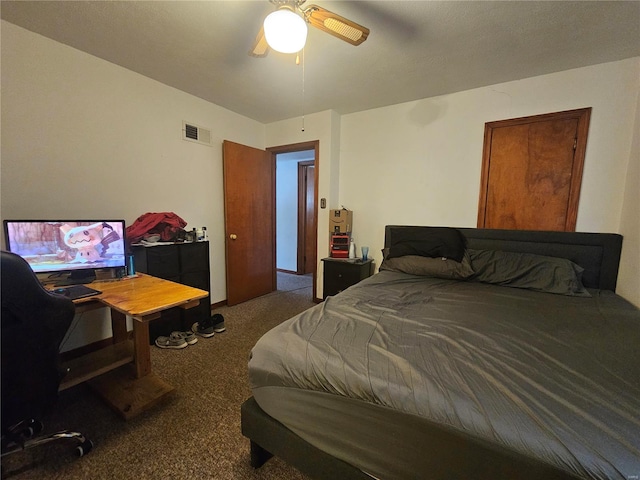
point(526, 270)
point(439, 267)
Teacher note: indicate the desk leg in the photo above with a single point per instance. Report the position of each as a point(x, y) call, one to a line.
point(132, 392)
point(118, 326)
point(142, 351)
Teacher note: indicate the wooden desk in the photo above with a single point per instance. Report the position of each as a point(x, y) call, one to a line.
point(121, 373)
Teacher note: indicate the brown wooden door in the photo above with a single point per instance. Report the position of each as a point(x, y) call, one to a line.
point(532, 171)
point(249, 210)
point(306, 218)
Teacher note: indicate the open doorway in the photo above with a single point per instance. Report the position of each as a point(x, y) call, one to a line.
point(296, 215)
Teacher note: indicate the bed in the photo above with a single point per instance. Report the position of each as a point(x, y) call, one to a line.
point(514, 359)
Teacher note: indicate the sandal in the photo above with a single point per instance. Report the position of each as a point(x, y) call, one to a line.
point(189, 337)
point(174, 340)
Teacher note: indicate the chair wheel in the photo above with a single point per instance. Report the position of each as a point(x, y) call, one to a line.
point(24, 430)
point(34, 427)
point(84, 448)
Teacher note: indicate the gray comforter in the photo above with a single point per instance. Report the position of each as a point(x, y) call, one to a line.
point(544, 375)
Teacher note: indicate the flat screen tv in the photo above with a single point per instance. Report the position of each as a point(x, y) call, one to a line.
point(68, 250)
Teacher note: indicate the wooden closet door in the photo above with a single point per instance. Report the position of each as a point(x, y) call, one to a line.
point(532, 171)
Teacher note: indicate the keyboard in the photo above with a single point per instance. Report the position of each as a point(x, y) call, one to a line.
point(74, 292)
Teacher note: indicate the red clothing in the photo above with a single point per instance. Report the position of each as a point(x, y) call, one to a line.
point(167, 224)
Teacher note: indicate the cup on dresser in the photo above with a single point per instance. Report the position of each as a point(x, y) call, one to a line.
point(365, 253)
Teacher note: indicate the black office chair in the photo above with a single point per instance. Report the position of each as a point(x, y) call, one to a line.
point(34, 323)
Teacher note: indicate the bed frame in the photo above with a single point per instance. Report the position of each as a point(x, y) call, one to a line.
point(597, 253)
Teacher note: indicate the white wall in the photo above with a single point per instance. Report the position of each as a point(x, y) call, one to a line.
point(286, 213)
point(82, 137)
point(419, 162)
point(629, 275)
point(287, 207)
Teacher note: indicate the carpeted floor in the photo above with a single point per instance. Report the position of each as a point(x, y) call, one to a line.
point(194, 434)
point(288, 282)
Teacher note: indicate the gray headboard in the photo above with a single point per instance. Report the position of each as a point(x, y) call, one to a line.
point(597, 253)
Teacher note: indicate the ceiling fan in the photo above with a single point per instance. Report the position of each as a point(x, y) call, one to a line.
point(323, 19)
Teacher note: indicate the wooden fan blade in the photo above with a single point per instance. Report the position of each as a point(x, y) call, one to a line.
point(260, 46)
point(336, 25)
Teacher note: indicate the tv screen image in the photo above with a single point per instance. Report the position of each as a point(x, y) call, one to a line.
point(58, 246)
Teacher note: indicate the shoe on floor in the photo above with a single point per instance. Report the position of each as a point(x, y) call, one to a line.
point(175, 340)
point(189, 337)
point(204, 330)
point(218, 323)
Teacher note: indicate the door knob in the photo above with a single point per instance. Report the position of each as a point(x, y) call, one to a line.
point(233, 236)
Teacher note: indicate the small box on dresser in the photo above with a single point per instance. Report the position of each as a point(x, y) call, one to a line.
point(186, 263)
point(341, 273)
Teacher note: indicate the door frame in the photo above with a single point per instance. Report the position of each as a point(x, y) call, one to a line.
point(301, 264)
point(297, 147)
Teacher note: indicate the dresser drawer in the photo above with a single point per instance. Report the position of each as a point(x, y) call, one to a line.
point(186, 263)
point(194, 257)
point(163, 262)
point(196, 279)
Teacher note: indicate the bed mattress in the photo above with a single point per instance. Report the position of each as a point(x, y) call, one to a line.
point(398, 367)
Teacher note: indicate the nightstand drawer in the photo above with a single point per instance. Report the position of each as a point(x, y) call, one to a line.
point(337, 273)
point(340, 274)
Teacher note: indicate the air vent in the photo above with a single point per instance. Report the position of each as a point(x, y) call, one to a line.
point(194, 133)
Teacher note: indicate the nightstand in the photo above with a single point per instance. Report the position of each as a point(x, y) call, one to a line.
point(341, 273)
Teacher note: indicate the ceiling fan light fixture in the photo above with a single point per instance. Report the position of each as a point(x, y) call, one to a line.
point(285, 31)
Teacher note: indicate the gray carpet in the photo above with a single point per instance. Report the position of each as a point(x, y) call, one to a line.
point(288, 282)
point(195, 433)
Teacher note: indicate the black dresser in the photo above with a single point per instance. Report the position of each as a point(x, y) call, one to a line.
point(186, 263)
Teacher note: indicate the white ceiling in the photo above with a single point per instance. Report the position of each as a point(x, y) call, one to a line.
point(416, 49)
